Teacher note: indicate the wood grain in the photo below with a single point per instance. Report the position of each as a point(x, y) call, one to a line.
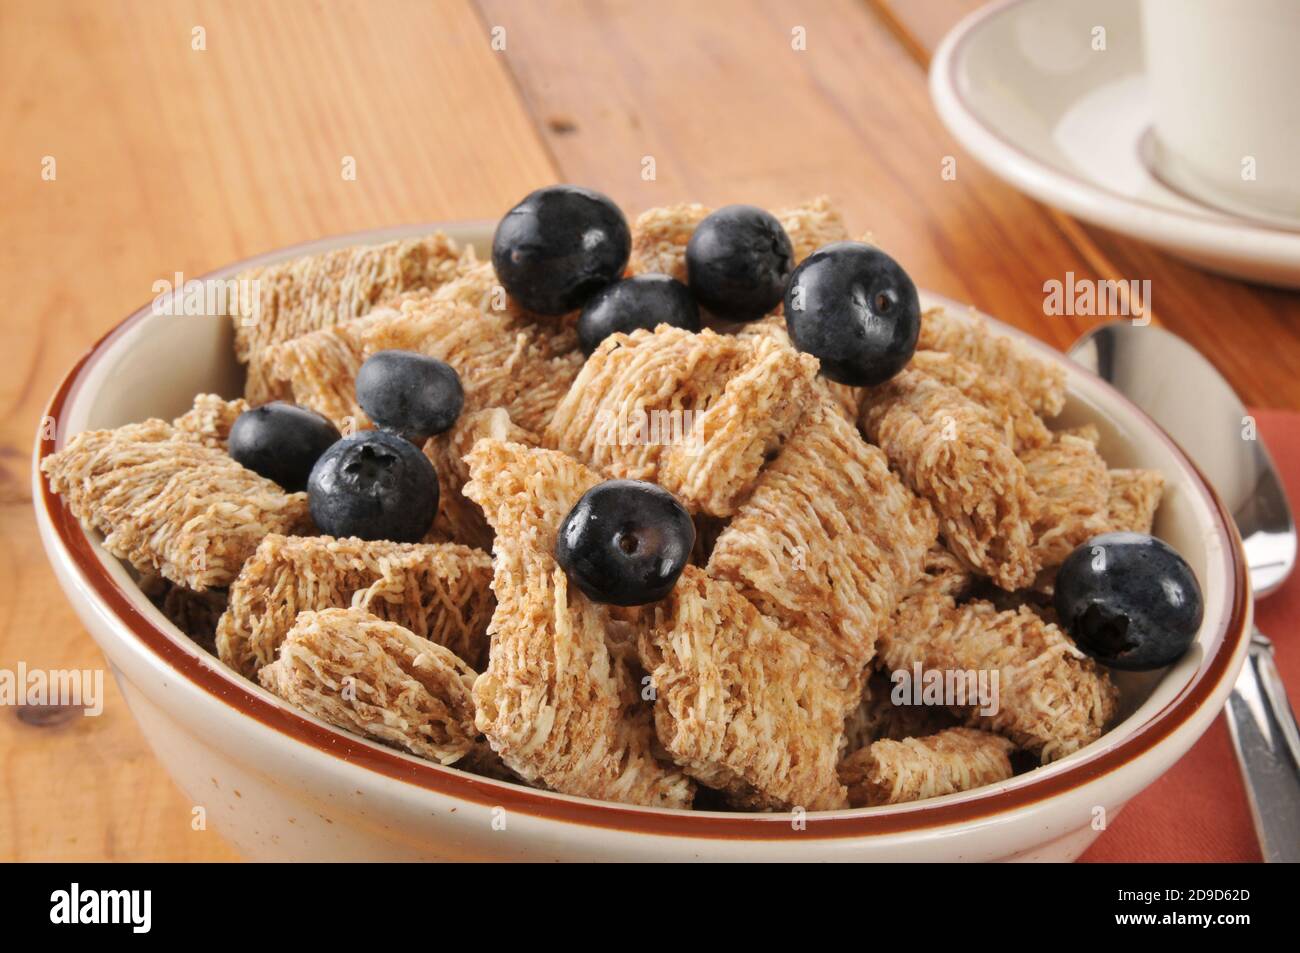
point(174, 159)
point(921, 24)
point(76, 788)
point(1250, 332)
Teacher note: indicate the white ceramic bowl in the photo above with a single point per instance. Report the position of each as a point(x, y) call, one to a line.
point(280, 784)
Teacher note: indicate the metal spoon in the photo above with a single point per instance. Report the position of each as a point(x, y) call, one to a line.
point(1186, 395)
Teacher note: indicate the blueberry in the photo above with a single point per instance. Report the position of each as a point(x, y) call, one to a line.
point(281, 441)
point(738, 261)
point(625, 542)
point(374, 485)
point(1129, 600)
point(854, 309)
point(645, 301)
point(412, 395)
point(558, 246)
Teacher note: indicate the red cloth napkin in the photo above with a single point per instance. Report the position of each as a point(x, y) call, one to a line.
point(1198, 810)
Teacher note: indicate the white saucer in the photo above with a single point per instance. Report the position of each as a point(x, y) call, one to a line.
point(1021, 87)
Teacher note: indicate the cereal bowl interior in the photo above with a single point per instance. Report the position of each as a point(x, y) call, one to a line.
point(282, 784)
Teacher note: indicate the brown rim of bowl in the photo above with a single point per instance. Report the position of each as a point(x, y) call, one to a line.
point(232, 690)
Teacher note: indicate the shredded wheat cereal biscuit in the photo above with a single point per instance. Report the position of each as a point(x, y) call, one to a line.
point(1040, 382)
point(827, 543)
point(501, 361)
point(659, 238)
point(844, 398)
point(877, 717)
point(660, 235)
point(638, 394)
point(743, 427)
point(319, 369)
point(557, 701)
point(1023, 428)
point(411, 321)
point(1053, 699)
point(1133, 501)
point(1030, 601)
point(459, 518)
point(209, 420)
point(944, 572)
point(478, 287)
point(438, 591)
point(1073, 487)
point(913, 769)
point(171, 505)
point(358, 672)
point(740, 705)
point(1037, 598)
point(697, 413)
point(949, 451)
point(811, 225)
point(315, 291)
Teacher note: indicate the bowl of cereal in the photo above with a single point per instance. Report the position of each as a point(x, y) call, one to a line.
point(702, 573)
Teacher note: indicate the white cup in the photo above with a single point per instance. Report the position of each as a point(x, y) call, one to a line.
point(1224, 82)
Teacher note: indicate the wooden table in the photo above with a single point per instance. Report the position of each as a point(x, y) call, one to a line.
point(172, 158)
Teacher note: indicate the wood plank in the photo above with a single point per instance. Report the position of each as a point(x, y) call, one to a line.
point(171, 159)
point(76, 787)
point(732, 113)
point(1250, 332)
point(921, 24)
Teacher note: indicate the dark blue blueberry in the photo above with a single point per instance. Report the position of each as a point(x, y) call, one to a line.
point(559, 246)
point(281, 441)
point(410, 394)
point(854, 309)
point(645, 301)
point(738, 261)
point(625, 542)
point(374, 485)
point(1129, 600)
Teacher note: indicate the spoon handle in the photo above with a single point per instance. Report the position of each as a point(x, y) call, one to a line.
point(1264, 733)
